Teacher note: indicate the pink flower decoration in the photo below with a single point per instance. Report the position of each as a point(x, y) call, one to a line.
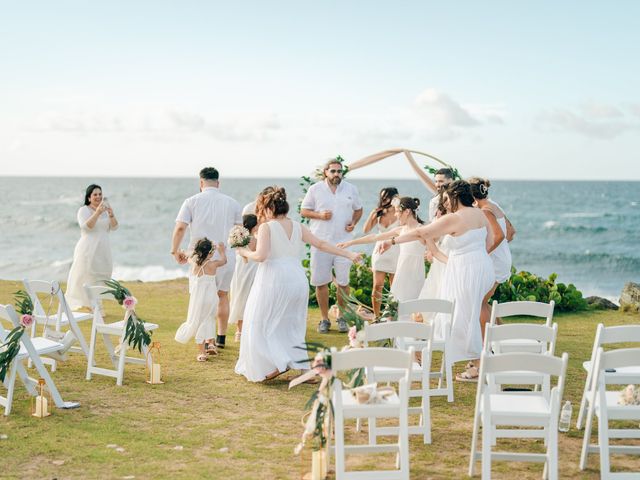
point(26, 320)
point(129, 302)
point(352, 333)
point(320, 367)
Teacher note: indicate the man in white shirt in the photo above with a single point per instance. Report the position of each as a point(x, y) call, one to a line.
point(209, 214)
point(442, 179)
point(334, 208)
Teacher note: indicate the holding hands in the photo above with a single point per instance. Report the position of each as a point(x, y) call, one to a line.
point(180, 256)
point(346, 244)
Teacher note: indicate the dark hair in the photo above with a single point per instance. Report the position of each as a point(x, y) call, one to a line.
point(441, 208)
point(209, 173)
point(201, 251)
point(447, 172)
point(275, 201)
point(479, 187)
point(410, 203)
point(249, 221)
point(384, 199)
point(459, 192)
point(89, 191)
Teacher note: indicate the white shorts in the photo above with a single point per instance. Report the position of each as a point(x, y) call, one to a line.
point(321, 265)
point(224, 274)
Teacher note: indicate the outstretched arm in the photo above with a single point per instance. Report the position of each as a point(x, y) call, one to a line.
point(371, 221)
point(314, 241)
point(437, 228)
point(371, 238)
point(420, 172)
point(222, 254)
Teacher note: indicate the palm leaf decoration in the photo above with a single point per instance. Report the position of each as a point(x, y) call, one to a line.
point(135, 334)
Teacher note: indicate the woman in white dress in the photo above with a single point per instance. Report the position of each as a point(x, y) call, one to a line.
point(469, 274)
point(275, 317)
point(383, 264)
point(499, 249)
point(243, 276)
point(409, 276)
point(92, 261)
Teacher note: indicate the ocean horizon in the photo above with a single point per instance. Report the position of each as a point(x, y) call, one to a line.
point(585, 231)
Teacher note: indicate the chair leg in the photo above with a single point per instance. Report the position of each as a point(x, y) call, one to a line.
point(339, 451)
point(449, 382)
point(487, 431)
point(403, 443)
point(11, 384)
point(551, 465)
point(603, 440)
point(121, 360)
point(426, 416)
point(586, 439)
point(92, 352)
point(474, 443)
point(373, 436)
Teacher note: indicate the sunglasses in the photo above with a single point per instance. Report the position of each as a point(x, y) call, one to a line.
point(333, 170)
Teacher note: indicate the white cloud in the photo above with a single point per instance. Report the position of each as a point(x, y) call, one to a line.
point(593, 120)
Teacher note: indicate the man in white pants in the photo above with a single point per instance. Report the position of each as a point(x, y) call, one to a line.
point(210, 214)
point(334, 208)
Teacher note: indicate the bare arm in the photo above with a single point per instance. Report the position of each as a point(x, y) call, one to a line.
point(435, 251)
point(372, 238)
point(420, 172)
point(176, 240)
point(442, 226)
point(223, 256)
point(312, 214)
point(511, 231)
point(91, 221)
point(263, 247)
point(496, 232)
point(371, 222)
point(314, 241)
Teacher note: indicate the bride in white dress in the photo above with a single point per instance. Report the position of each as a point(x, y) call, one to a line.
point(409, 276)
point(92, 261)
point(469, 273)
point(275, 316)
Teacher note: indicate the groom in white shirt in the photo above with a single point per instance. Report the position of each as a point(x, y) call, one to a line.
point(334, 208)
point(210, 214)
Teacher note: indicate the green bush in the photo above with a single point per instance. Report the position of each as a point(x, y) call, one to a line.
point(521, 286)
point(528, 286)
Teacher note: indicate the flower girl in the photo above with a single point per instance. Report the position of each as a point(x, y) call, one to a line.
point(243, 276)
point(203, 300)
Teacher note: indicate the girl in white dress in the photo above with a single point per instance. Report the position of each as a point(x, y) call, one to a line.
point(275, 317)
point(243, 275)
point(92, 256)
point(409, 276)
point(383, 264)
point(499, 248)
point(203, 299)
point(469, 273)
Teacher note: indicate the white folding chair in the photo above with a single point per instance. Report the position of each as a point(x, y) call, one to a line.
point(495, 409)
point(96, 294)
point(607, 336)
point(346, 407)
point(528, 309)
point(421, 335)
point(10, 378)
point(604, 405)
point(33, 349)
point(63, 318)
point(442, 313)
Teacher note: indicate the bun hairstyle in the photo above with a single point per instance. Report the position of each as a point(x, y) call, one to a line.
point(249, 221)
point(459, 193)
point(273, 200)
point(385, 198)
point(410, 203)
point(479, 187)
point(89, 191)
point(201, 251)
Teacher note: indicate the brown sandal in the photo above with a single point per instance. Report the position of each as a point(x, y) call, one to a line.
point(210, 349)
point(469, 375)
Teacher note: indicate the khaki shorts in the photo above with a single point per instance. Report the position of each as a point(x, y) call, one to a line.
point(321, 265)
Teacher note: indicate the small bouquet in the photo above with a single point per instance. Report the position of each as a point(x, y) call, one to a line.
point(239, 237)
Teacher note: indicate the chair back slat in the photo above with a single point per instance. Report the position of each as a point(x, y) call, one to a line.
point(370, 357)
point(425, 305)
point(8, 313)
point(620, 334)
point(529, 362)
point(530, 309)
point(380, 331)
point(623, 357)
point(521, 331)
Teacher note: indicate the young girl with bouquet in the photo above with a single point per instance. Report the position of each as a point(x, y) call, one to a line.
point(203, 300)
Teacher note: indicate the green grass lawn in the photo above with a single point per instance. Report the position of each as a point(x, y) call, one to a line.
point(208, 422)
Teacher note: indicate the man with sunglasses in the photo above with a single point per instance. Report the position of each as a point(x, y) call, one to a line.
point(334, 208)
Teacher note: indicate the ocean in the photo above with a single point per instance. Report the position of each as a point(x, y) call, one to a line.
point(586, 232)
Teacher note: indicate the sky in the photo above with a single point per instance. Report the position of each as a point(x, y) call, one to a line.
point(501, 89)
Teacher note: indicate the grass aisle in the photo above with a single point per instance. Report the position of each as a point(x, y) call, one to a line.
point(207, 422)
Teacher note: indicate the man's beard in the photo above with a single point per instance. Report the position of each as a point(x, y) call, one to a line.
point(335, 180)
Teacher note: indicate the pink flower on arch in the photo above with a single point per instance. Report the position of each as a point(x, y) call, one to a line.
point(129, 302)
point(26, 320)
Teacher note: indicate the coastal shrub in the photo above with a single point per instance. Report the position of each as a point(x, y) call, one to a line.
point(523, 286)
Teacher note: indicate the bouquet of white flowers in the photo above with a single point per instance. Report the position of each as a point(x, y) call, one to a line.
point(239, 237)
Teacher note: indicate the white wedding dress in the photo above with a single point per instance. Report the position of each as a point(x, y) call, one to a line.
point(275, 317)
point(467, 278)
point(92, 261)
point(243, 276)
point(433, 283)
point(409, 276)
point(203, 306)
point(387, 261)
point(501, 256)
